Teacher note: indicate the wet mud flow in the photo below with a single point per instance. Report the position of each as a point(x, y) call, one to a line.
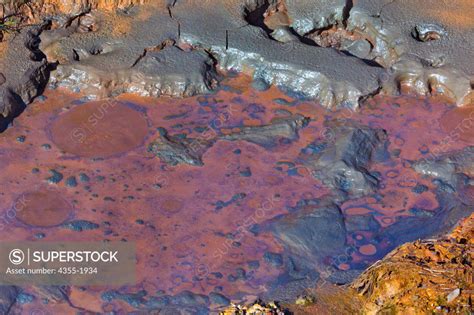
point(234, 195)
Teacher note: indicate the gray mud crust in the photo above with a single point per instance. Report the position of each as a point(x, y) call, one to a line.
point(142, 58)
point(372, 49)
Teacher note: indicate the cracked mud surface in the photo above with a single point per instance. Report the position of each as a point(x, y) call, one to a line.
point(252, 149)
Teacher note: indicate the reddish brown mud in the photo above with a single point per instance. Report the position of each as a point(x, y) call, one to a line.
point(459, 123)
point(43, 208)
point(193, 225)
point(99, 129)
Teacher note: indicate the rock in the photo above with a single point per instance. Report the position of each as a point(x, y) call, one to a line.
point(453, 295)
point(87, 23)
point(34, 80)
point(133, 299)
point(269, 135)
point(80, 225)
point(54, 294)
point(375, 36)
point(24, 298)
point(361, 223)
point(345, 162)
point(274, 259)
point(257, 307)
point(11, 104)
point(312, 233)
point(56, 177)
point(284, 35)
point(185, 302)
point(426, 32)
point(219, 299)
point(359, 48)
point(448, 167)
point(174, 150)
point(25, 73)
point(358, 38)
point(405, 281)
point(305, 300)
point(260, 85)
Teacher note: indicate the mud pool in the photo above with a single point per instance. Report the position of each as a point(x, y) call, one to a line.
point(284, 194)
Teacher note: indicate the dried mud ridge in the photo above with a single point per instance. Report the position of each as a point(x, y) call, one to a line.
point(337, 53)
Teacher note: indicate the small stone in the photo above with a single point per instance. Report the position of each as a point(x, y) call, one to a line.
point(71, 181)
point(40, 235)
point(84, 178)
point(218, 299)
point(453, 295)
point(419, 189)
point(246, 172)
point(55, 178)
point(427, 32)
point(359, 48)
point(46, 147)
point(260, 85)
point(305, 300)
point(274, 259)
point(284, 34)
point(24, 298)
point(81, 225)
point(254, 264)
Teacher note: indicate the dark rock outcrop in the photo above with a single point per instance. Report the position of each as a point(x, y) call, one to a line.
point(312, 233)
point(173, 150)
point(345, 162)
point(176, 150)
point(26, 72)
point(268, 136)
point(449, 168)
